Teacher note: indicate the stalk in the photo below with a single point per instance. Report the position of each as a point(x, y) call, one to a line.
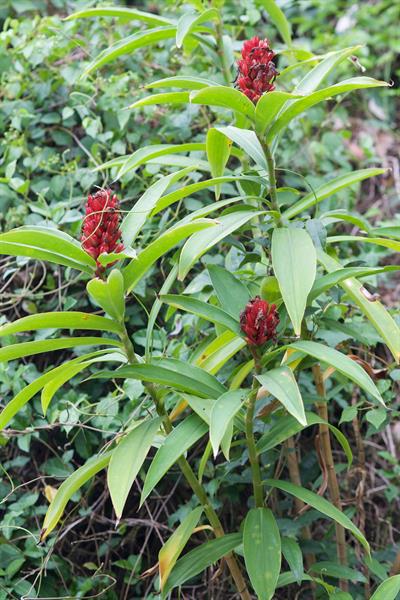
point(220, 50)
point(272, 180)
point(190, 476)
point(251, 444)
point(333, 485)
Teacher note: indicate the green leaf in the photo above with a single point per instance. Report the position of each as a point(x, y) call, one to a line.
point(262, 551)
point(61, 320)
point(387, 243)
point(120, 13)
point(163, 98)
point(48, 244)
point(183, 82)
point(199, 243)
point(68, 488)
point(197, 560)
point(281, 383)
point(294, 261)
point(294, 557)
point(278, 19)
point(127, 45)
point(187, 433)
point(222, 413)
point(191, 189)
point(174, 373)
point(342, 363)
point(376, 417)
point(287, 426)
point(138, 215)
point(299, 106)
point(320, 504)
point(326, 568)
point(232, 294)
point(58, 380)
point(173, 547)
point(203, 310)
point(144, 155)
point(248, 141)
point(218, 151)
point(217, 354)
point(330, 188)
point(387, 590)
point(20, 399)
point(314, 78)
point(226, 97)
point(324, 283)
point(269, 106)
point(24, 349)
point(109, 294)
point(189, 21)
point(376, 313)
point(137, 268)
point(155, 309)
point(127, 459)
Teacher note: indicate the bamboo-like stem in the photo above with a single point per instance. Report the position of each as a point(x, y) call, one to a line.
point(294, 474)
point(333, 485)
point(190, 476)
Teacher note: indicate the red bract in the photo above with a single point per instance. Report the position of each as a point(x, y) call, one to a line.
point(259, 321)
point(256, 70)
point(100, 231)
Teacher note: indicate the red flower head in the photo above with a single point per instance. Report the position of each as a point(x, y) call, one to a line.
point(259, 321)
point(100, 231)
point(256, 71)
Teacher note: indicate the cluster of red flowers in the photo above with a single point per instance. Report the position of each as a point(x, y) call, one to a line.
point(256, 69)
point(259, 321)
point(101, 232)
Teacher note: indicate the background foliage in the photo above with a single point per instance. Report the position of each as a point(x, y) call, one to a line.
point(56, 130)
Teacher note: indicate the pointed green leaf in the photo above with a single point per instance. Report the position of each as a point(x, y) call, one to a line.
point(294, 557)
point(294, 261)
point(199, 243)
point(203, 310)
point(137, 268)
point(330, 188)
point(182, 82)
point(269, 106)
point(187, 433)
point(163, 98)
point(120, 13)
point(248, 141)
point(222, 413)
point(173, 547)
point(218, 151)
point(61, 320)
point(226, 97)
point(281, 383)
point(320, 504)
point(388, 590)
point(197, 560)
point(232, 294)
point(23, 349)
point(189, 21)
point(68, 488)
point(342, 363)
point(262, 551)
point(127, 459)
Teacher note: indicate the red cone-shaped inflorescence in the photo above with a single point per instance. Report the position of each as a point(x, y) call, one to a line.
point(259, 321)
point(100, 231)
point(256, 71)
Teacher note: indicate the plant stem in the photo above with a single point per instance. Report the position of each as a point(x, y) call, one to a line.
point(272, 179)
point(251, 444)
point(220, 45)
point(333, 485)
point(253, 456)
point(189, 475)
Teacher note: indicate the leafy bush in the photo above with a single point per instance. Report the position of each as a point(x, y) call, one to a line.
point(243, 252)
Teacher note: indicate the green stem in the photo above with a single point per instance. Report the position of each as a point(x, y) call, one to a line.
point(220, 45)
point(189, 475)
point(272, 179)
point(251, 444)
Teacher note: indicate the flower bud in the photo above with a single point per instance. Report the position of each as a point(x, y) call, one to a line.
point(256, 71)
point(259, 321)
point(100, 231)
